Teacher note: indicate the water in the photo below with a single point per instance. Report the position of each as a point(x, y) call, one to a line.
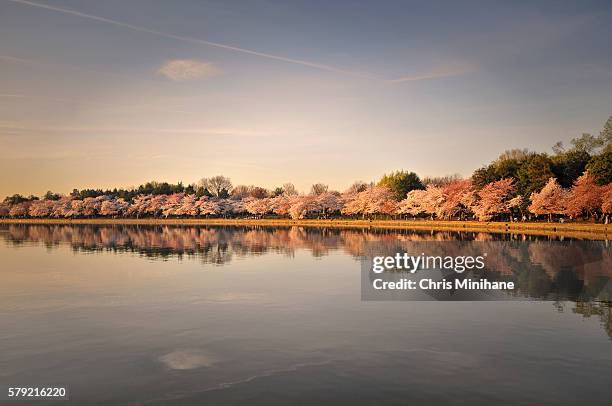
point(211, 315)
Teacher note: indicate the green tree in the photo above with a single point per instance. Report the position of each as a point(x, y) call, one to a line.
point(190, 189)
point(505, 166)
point(15, 199)
point(508, 168)
point(533, 174)
point(568, 166)
point(51, 196)
point(482, 176)
point(400, 183)
point(587, 142)
point(600, 166)
point(606, 134)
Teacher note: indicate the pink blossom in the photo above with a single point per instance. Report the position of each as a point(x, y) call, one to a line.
point(550, 200)
point(495, 198)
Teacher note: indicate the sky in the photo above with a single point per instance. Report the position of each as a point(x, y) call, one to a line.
point(116, 93)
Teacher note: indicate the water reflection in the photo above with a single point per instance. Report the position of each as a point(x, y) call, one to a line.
point(541, 266)
point(219, 245)
point(273, 316)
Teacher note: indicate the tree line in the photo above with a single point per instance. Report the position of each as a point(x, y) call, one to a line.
point(571, 183)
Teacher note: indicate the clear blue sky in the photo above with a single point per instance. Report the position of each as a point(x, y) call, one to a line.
point(115, 93)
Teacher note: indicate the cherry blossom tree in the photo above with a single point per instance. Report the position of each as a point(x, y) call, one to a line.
point(208, 206)
point(171, 204)
point(4, 210)
point(515, 202)
point(446, 200)
point(156, 207)
point(238, 207)
point(258, 207)
point(378, 200)
point(428, 201)
point(74, 209)
point(432, 200)
point(458, 198)
point(495, 198)
point(187, 206)
point(303, 205)
point(371, 201)
point(20, 209)
point(62, 207)
point(389, 207)
point(89, 207)
point(329, 203)
point(139, 206)
point(40, 208)
point(281, 204)
point(412, 204)
point(550, 200)
point(352, 203)
point(226, 207)
point(113, 207)
point(584, 196)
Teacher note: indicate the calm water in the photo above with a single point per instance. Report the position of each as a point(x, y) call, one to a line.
point(197, 315)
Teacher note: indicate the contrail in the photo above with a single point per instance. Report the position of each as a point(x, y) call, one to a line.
point(195, 40)
point(314, 65)
point(453, 70)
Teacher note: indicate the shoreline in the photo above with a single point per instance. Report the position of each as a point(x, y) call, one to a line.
point(575, 230)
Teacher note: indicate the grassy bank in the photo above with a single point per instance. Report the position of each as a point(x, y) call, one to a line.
point(576, 230)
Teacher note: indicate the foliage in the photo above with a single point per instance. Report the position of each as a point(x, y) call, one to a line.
point(17, 198)
point(400, 183)
point(568, 166)
point(506, 165)
point(533, 174)
point(600, 166)
point(51, 196)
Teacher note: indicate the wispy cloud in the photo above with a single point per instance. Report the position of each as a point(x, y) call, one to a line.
point(183, 70)
point(302, 62)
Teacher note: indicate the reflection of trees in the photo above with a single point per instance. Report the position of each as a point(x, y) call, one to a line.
point(603, 310)
point(541, 267)
point(216, 242)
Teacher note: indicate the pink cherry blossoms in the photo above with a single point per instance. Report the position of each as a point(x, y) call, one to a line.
point(457, 199)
